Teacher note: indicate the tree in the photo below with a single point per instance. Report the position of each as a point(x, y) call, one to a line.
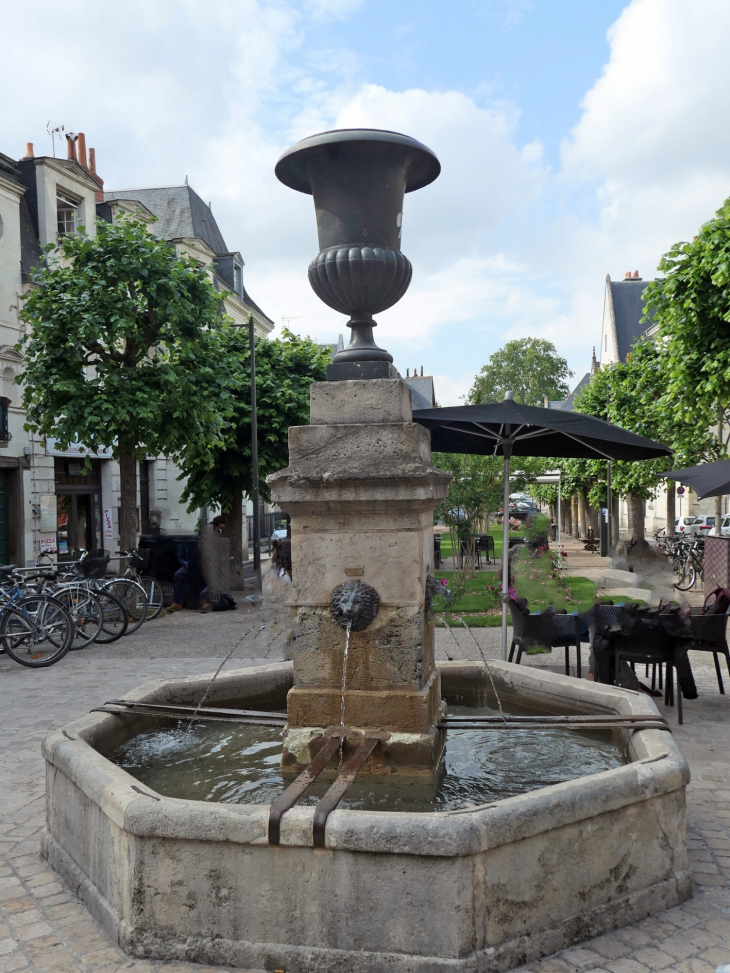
point(221, 473)
point(528, 367)
point(691, 306)
point(124, 350)
point(474, 493)
point(631, 394)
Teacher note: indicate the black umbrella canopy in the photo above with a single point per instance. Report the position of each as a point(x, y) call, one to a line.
point(485, 429)
point(707, 479)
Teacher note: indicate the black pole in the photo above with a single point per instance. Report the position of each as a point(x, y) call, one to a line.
point(255, 464)
point(609, 505)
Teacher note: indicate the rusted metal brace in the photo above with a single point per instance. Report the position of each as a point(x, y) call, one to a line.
point(340, 787)
point(295, 790)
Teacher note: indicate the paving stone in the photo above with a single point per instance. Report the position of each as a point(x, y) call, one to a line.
point(655, 959)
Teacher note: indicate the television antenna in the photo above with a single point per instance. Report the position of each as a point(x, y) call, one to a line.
point(293, 317)
point(56, 131)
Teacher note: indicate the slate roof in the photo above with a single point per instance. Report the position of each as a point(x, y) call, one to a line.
point(180, 213)
point(628, 308)
point(30, 248)
point(568, 405)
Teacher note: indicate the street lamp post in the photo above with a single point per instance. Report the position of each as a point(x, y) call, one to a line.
point(254, 464)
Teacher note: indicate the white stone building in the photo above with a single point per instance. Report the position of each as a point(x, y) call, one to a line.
point(47, 502)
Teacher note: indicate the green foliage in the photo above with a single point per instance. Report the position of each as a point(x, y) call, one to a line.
point(691, 306)
point(285, 368)
point(123, 345)
point(476, 490)
point(528, 367)
point(631, 394)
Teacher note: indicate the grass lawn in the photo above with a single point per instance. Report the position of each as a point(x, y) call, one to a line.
point(480, 606)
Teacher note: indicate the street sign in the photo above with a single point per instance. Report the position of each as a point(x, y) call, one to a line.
point(680, 490)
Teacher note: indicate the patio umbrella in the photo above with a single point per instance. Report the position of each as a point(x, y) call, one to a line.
point(707, 479)
point(510, 429)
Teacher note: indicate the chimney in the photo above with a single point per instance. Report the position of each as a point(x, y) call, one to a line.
point(546, 402)
point(82, 150)
point(28, 151)
point(421, 370)
point(71, 147)
point(627, 275)
point(91, 169)
point(636, 273)
point(408, 373)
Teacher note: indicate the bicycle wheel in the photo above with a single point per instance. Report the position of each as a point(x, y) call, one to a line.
point(36, 631)
point(132, 596)
point(114, 618)
point(155, 597)
point(684, 574)
point(85, 610)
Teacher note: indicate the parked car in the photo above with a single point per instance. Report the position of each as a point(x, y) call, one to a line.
point(725, 525)
point(685, 525)
point(694, 526)
point(704, 525)
point(278, 534)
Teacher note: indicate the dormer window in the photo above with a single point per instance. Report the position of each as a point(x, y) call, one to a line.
point(238, 279)
point(68, 211)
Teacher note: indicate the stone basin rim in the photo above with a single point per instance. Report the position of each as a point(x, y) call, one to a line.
point(656, 767)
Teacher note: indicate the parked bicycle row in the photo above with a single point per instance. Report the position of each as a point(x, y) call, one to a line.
point(687, 555)
point(49, 609)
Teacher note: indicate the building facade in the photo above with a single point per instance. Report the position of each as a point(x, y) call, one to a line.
point(49, 501)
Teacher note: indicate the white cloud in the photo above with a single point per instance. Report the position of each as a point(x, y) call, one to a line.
point(501, 247)
point(339, 9)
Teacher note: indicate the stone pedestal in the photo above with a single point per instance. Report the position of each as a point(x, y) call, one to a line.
point(361, 491)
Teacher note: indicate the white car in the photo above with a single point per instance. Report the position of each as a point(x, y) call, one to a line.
point(704, 525)
point(725, 525)
point(685, 525)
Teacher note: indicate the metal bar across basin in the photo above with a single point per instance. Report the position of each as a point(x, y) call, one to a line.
point(295, 790)
point(340, 787)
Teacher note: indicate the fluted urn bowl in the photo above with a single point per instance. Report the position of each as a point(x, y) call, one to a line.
point(358, 178)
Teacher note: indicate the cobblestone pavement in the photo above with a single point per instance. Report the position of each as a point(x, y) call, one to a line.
point(43, 927)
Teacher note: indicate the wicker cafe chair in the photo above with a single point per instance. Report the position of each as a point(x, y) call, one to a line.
point(609, 614)
point(485, 545)
point(553, 631)
point(709, 634)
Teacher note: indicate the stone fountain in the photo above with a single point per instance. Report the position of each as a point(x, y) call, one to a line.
point(476, 889)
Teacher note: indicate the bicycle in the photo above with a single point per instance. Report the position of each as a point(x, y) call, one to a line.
point(129, 593)
point(689, 565)
point(137, 561)
point(36, 630)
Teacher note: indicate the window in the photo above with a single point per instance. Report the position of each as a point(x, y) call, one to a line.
point(67, 211)
point(238, 280)
point(5, 436)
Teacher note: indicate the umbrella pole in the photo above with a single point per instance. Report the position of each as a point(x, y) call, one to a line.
point(505, 549)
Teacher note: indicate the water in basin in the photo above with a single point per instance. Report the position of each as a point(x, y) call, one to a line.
point(239, 764)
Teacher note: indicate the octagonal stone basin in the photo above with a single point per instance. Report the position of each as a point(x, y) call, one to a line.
point(481, 889)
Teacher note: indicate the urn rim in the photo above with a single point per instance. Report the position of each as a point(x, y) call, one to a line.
point(292, 171)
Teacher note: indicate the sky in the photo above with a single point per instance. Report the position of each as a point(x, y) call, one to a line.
point(576, 139)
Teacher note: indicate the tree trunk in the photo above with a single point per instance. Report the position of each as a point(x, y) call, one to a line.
point(671, 506)
point(592, 515)
point(636, 517)
point(615, 525)
point(574, 515)
point(718, 500)
point(567, 525)
point(128, 498)
point(234, 527)
point(583, 512)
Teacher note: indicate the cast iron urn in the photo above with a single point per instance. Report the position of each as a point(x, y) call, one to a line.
point(358, 177)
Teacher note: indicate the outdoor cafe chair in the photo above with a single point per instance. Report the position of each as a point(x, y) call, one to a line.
point(552, 631)
point(485, 545)
point(477, 554)
point(709, 634)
